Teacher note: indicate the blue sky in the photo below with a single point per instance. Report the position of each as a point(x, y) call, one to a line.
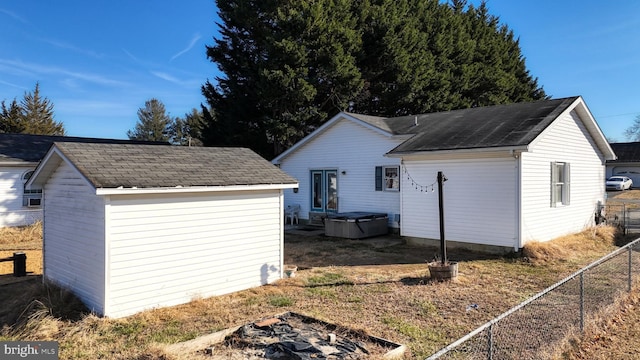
point(99, 61)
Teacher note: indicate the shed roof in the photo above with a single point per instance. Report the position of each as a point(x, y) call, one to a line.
point(147, 166)
point(20, 148)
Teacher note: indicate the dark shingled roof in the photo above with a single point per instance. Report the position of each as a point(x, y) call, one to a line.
point(626, 152)
point(484, 127)
point(148, 166)
point(31, 148)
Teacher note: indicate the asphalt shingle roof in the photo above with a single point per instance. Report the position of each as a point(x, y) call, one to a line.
point(148, 166)
point(31, 148)
point(626, 152)
point(483, 127)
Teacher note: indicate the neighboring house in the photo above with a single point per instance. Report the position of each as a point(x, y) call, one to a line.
point(19, 156)
point(519, 172)
point(627, 163)
point(132, 227)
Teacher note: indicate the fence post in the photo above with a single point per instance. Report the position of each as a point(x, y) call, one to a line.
point(19, 264)
point(625, 222)
point(582, 301)
point(629, 279)
point(490, 343)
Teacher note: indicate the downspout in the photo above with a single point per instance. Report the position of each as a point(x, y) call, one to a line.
point(518, 198)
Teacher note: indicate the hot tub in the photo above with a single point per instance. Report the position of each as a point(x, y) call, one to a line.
point(356, 225)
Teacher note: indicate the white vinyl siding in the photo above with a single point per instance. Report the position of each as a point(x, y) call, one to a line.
point(167, 250)
point(567, 141)
point(12, 210)
point(479, 200)
point(73, 232)
point(354, 151)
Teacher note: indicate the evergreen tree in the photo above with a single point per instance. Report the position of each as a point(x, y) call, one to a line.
point(187, 131)
point(286, 65)
point(11, 118)
point(154, 124)
point(33, 115)
point(290, 65)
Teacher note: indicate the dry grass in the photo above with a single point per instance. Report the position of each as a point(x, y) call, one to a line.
point(616, 337)
point(21, 238)
point(573, 247)
point(380, 287)
point(26, 239)
point(623, 195)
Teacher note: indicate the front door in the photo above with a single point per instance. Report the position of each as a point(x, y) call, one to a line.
point(324, 193)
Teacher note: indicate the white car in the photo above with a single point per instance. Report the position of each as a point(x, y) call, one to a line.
point(619, 183)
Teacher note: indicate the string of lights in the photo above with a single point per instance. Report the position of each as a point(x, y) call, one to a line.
point(416, 185)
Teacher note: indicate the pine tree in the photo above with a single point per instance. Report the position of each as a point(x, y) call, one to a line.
point(154, 124)
point(187, 131)
point(11, 118)
point(33, 115)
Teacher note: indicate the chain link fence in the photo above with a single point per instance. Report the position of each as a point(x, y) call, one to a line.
point(625, 216)
point(539, 327)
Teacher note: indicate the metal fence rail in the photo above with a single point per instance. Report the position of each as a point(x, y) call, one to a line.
point(538, 327)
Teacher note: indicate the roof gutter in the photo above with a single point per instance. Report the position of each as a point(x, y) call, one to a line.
point(18, 163)
point(498, 151)
point(191, 189)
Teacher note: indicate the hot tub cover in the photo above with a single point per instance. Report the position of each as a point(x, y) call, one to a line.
point(356, 215)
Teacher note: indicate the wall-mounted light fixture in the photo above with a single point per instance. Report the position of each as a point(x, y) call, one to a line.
point(344, 172)
point(295, 190)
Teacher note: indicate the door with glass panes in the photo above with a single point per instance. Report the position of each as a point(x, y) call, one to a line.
point(324, 190)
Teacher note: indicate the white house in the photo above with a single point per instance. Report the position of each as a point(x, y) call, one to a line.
point(519, 172)
point(342, 167)
point(627, 163)
point(133, 227)
point(19, 156)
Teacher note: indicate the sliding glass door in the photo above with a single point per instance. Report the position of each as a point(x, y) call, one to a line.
point(324, 190)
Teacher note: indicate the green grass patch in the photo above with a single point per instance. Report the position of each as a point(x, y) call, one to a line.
point(324, 292)
point(425, 307)
point(328, 278)
point(280, 301)
point(173, 332)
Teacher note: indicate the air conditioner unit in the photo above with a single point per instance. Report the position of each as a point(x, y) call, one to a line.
point(33, 202)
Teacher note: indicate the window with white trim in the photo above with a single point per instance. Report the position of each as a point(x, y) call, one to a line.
point(387, 178)
point(560, 184)
point(30, 197)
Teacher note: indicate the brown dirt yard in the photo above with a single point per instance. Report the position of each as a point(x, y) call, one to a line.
point(380, 286)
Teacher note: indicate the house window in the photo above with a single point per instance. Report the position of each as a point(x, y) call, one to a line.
point(387, 178)
point(560, 184)
point(30, 197)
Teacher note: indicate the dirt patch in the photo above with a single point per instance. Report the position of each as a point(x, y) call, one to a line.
point(321, 251)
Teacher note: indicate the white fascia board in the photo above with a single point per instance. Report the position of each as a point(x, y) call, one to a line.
point(48, 164)
point(589, 122)
point(192, 189)
point(510, 151)
point(307, 138)
point(322, 129)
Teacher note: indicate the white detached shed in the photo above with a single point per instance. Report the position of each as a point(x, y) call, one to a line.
point(133, 227)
